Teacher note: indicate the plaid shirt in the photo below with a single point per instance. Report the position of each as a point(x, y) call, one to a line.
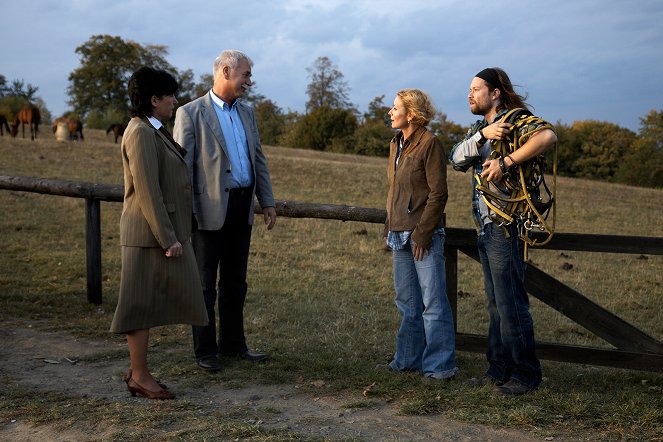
point(398, 240)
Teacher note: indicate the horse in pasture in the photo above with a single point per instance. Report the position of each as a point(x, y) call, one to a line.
point(117, 129)
point(74, 126)
point(29, 115)
point(3, 125)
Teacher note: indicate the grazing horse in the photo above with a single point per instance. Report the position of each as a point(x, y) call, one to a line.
point(74, 126)
point(3, 125)
point(29, 115)
point(117, 129)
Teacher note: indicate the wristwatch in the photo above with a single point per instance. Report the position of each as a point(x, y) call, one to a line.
point(481, 140)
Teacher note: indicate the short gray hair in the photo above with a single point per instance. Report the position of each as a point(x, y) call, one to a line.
point(230, 57)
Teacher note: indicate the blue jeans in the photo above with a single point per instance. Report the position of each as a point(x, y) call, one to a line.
point(426, 338)
point(511, 348)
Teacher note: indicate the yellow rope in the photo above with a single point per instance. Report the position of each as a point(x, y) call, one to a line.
point(518, 206)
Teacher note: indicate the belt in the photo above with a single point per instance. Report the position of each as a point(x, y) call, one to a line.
point(241, 191)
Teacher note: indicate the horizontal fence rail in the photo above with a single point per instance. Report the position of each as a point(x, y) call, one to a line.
point(634, 348)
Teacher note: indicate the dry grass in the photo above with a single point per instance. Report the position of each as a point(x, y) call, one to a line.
point(320, 291)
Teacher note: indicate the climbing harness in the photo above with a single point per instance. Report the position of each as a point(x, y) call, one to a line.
point(522, 196)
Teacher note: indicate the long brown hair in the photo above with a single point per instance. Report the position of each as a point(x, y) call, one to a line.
point(510, 98)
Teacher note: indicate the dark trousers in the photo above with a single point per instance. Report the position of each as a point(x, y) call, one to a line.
point(511, 347)
point(222, 257)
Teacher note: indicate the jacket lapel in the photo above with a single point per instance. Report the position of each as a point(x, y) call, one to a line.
point(212, 120)
point(245, 116)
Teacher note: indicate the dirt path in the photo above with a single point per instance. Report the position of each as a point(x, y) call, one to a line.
point(37, 360)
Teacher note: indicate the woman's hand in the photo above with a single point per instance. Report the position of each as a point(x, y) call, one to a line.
point(175, 250)
point(418, 252)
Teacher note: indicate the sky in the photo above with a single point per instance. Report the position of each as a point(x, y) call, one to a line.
point(576, 60)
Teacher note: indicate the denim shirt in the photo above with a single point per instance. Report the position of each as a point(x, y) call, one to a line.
point(241, 173)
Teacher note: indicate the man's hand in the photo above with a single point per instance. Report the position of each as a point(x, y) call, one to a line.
point(269, 213)
point(496, 131)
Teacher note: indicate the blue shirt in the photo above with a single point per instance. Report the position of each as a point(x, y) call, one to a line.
point(241, 173)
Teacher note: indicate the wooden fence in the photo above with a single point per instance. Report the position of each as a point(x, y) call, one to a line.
point(633, 348)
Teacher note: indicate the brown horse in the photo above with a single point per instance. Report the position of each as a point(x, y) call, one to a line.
point(117, 129)
point(74, 126)
point(3, 125)
point(29, 115)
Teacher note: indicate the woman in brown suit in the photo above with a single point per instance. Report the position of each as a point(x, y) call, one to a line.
point(160, 284)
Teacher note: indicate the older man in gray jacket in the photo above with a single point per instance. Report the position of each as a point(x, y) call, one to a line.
point(227, 168)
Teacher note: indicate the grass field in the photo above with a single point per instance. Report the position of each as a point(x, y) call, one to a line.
point(320, 292)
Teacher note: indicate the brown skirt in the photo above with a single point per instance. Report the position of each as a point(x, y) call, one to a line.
point(156, 290)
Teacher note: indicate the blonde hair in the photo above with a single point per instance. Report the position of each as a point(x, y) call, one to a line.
point(418, 105)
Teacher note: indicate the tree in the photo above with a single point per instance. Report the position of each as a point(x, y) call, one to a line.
point(321, 128)
point(642, 165)
point(373, 136)
point(592, 149)
point(271, 121)
point(17, 95)
point(3, 86)
point(99, 85)
point(377, 112)
point(327, 86)
point(448, 132)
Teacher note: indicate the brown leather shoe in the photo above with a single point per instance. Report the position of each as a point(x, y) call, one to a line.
point(134, 387)
point(127, 377)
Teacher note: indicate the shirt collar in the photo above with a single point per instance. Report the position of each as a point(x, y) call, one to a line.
point(220, 103)
point(154, 122)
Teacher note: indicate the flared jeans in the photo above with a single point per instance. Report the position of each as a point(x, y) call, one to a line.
point(426, 338)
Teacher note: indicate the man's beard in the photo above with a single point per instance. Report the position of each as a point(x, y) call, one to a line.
point(479, 110)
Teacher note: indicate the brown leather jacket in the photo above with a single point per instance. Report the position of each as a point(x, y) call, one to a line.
point(417, 191)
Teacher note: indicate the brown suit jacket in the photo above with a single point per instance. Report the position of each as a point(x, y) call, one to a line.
point(157, 192)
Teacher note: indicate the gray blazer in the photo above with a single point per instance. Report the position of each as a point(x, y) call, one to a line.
point(198, 131)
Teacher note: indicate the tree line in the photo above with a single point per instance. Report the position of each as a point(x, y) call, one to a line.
point(98, 96)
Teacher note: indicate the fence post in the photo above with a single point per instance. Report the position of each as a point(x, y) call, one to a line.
point(93, 249)
point(451, 264)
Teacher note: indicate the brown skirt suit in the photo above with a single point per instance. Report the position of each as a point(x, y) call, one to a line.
point(154, 289)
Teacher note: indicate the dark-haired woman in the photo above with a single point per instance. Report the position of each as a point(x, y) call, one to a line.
point(160, 284)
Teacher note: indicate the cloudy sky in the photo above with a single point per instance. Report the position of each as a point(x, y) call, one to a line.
point(577, 60)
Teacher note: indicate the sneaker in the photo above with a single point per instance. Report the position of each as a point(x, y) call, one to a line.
point(384, 367)
point(483, 380)
point(513, 388)
point(433, 379)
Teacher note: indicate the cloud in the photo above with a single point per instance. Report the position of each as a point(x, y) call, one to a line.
point(587, 59)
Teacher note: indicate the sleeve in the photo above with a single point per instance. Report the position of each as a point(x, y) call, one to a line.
point(465, 153)
point(184, 135)
point(264, 191)
point(436, 177)
point(143, 161)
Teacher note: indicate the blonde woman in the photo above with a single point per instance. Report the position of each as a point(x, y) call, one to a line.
point(414, 230)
